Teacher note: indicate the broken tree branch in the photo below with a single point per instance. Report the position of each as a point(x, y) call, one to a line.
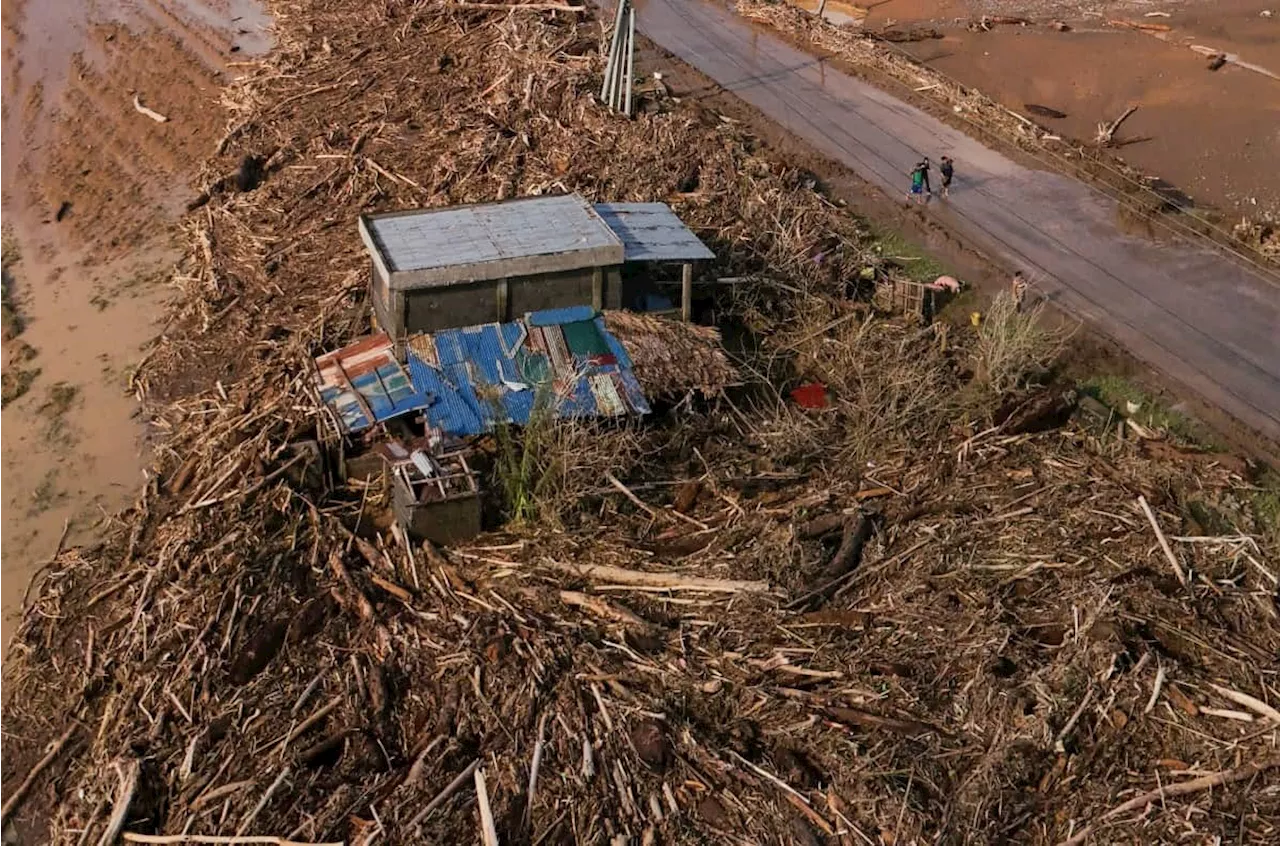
point(601, 608)
point(448, 791)
point(124, 797)
point(143, 110)
point(488, 830)
point(16, 796)
point(1252, 703)
point(1164, 543)
point(1107, 131)
point(1182, 789)
point(521, 7)
point(131, 837)
point(674, 581)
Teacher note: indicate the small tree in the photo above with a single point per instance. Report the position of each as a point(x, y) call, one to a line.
point(1014, 344)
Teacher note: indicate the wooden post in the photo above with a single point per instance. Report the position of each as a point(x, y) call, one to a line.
point(597, 288)
point(399, 329)
point(686, 292)
point(503, 292)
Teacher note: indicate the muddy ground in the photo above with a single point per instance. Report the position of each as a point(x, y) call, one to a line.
point(1213, 134)
point(93, 190)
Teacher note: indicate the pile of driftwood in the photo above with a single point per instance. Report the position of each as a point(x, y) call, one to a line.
point(912, 615)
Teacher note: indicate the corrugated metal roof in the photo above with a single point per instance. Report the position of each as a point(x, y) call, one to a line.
point(363, 383)
point(491, 240)
point(652, 232)
point(465, 380)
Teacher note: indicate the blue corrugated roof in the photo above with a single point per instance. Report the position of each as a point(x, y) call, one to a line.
point(490, 371)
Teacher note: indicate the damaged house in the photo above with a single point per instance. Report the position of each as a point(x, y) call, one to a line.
point(485, 309)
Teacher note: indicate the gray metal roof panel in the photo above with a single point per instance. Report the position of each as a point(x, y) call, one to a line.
point(491, 240)
point(652, 232)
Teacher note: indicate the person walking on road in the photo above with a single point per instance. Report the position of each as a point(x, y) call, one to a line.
point(920, 181)
point(948, 171)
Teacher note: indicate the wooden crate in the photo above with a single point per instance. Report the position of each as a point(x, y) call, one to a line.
point(904, 296)
point(444, 507)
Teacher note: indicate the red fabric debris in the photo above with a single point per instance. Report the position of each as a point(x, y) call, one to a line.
point(810, 395)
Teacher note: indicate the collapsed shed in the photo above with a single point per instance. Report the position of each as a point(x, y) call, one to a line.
point(465, 381)
point(455, 266)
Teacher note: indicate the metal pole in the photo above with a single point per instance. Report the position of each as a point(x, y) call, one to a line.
point(614, 95)
point(631, 55)
point(613, 53)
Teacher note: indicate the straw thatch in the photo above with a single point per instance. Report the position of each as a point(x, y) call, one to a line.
point(671, 358)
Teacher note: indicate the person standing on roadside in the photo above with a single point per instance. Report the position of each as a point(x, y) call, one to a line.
point(1019, 291)
point(920, 181)
point(948, 171)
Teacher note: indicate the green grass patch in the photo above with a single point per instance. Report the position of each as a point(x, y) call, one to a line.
point(1119, 393)
point(61, 398)
point(1265, 503)
point(10, 253)
point(916, 264)
point(17, 382)
point(13, 321)
point(524, 460)
point(46, 495)
point(62, 395)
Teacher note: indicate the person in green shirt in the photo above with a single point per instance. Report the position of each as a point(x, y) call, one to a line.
point(920, 181)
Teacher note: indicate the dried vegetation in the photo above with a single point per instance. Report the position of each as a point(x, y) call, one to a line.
point(908, 617)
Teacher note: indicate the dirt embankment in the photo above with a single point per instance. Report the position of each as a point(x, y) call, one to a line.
point(1211, 133)
point(93, 188)
point(932, 611)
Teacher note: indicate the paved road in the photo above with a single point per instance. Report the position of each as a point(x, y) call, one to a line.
point(1187, 311)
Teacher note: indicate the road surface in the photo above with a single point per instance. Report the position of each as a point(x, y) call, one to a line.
point(1187, 311)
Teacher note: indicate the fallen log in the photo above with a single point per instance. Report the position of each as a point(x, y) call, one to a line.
point(820, 526)
point(520, 7)
point(1141, 27)
point(849, 554)
point(673, 581)
point(1044, 111)
point(604, 609)
point(133, 837)
point(845, 561)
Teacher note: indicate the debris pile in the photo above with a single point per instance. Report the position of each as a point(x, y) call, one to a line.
point(891, 619)
point(671, 359)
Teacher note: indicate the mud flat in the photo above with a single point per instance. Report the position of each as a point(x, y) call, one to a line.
point(1213, 134)
point(93, 188)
